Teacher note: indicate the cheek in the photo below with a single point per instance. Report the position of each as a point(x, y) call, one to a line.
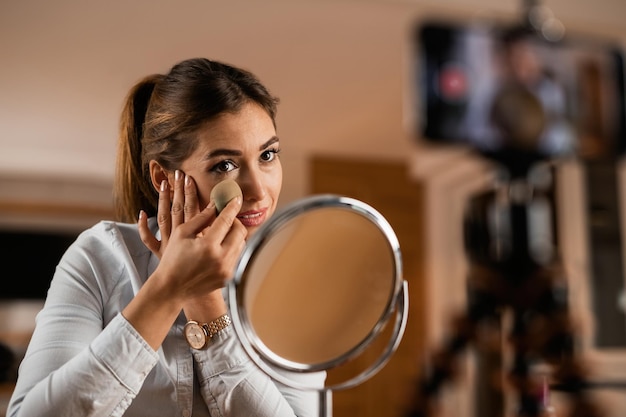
point(279, 184)
point(276, 183)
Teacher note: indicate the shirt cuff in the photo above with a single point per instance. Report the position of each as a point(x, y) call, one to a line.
point(125, 353)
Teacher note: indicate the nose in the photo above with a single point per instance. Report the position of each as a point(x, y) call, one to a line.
point(252, 184)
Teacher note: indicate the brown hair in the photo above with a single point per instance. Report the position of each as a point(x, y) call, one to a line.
point(160, 117)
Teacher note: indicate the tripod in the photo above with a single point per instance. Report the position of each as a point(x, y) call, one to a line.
point(514, 269)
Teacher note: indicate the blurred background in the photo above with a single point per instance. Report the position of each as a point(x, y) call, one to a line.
point(347, 123)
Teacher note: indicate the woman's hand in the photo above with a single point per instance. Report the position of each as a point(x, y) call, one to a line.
point(198, 249)
point(201, 254)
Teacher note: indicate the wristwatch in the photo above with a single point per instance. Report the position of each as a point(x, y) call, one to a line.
point(198, 335)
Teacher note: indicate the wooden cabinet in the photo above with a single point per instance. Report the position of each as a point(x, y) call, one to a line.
point(386, 186)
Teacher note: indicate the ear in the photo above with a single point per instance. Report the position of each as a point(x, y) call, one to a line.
point(158, 174)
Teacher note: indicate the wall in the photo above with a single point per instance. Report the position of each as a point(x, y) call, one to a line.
point(338, 66)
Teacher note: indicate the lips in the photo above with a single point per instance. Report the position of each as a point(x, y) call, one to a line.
point(252, 218)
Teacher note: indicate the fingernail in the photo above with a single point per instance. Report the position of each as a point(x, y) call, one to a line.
point(187, 180)
point(176, 175)
point(163, 185)
point(141, 214)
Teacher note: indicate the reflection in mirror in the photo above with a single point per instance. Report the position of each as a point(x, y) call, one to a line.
point(315, 286)
point(321, 286)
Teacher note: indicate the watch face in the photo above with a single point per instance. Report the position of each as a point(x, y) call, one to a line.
point(195, 335)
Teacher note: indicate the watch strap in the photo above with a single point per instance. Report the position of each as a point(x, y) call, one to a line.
point(214, 327)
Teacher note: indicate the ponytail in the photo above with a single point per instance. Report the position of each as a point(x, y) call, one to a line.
point(133, 190)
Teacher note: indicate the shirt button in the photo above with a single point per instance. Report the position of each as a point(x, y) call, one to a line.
point(186, 413)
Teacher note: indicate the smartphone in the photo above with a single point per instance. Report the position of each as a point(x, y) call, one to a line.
point(568, 95)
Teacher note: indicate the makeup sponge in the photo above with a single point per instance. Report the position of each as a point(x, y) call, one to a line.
point(223, 192)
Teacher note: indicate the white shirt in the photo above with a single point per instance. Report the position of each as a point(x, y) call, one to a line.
point(85, 359)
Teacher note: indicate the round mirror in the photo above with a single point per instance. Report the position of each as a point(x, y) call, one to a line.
point(316, 284)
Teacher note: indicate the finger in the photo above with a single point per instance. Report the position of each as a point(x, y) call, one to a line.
point(146, 235)
point(164, 217)
point(199, 222)
point(178, 201)
point(234, 243)
point(222, 224)
point(192, 205)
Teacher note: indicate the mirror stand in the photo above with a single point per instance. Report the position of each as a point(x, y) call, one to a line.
point(326, 403)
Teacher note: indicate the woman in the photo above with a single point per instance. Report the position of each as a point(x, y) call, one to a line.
point(115, 336)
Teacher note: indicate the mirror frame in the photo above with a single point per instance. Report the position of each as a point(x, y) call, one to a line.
point(398, 299)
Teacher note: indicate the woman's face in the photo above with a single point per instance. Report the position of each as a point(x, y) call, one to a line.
point(242, 146)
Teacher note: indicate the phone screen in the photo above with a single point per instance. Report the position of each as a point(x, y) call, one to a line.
point(488, 86)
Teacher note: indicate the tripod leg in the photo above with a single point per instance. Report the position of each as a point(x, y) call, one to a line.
point(528, 392)
point(543, 332)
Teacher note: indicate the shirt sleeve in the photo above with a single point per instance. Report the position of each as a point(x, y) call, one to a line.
point(232, 384)
point(76, 363)
point(102, 379)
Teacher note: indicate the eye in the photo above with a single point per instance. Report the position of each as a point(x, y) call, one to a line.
point(269, 155)
point(224, 166)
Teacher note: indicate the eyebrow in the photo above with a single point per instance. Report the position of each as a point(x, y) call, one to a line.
point(233, 152)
